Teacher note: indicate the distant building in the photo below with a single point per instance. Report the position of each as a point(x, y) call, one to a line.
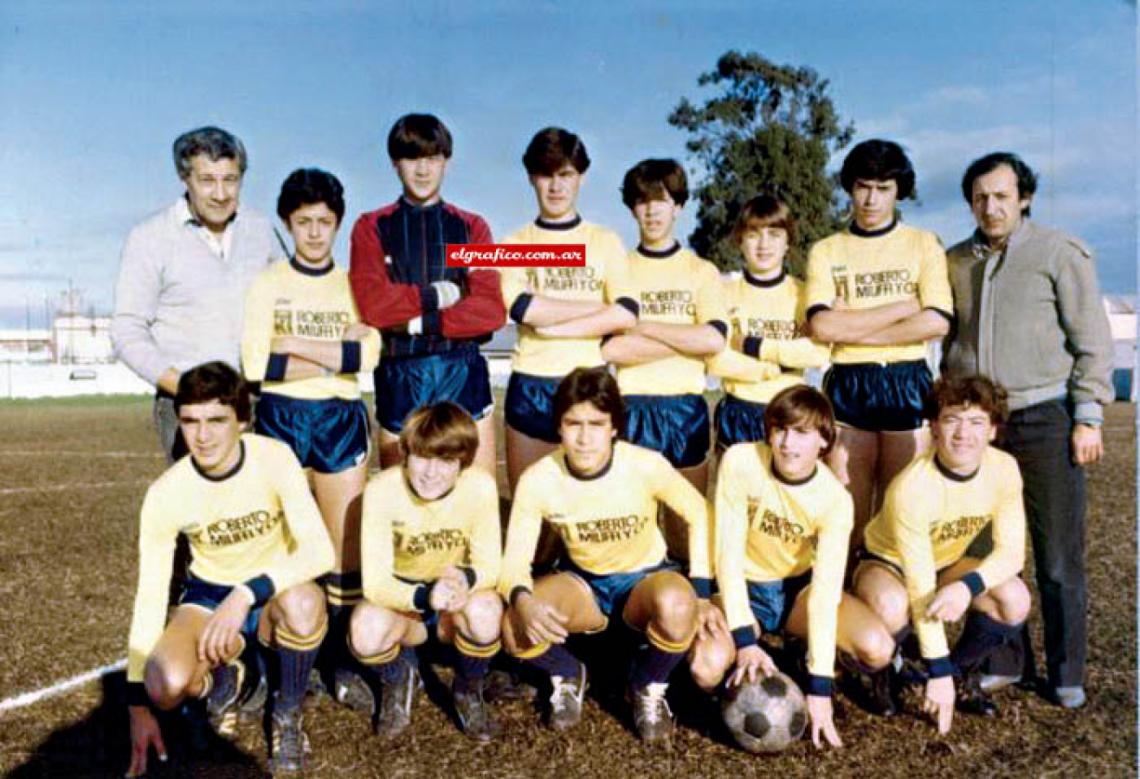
point(26, 346)
point(1121, 311)
point(82, 339)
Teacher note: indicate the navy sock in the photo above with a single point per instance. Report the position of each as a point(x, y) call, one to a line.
point(981, 635)
point(295, 667)
point(651, 665)
point(555, 661)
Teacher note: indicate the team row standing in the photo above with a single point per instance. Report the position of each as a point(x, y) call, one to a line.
point(675, 326)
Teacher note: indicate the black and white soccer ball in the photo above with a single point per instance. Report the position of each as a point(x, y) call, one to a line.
point(768, 715)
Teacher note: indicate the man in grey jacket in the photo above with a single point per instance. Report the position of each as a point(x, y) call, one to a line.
point(184, 274)
point(1030, 316)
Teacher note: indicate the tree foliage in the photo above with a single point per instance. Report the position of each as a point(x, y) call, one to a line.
point(769, 129)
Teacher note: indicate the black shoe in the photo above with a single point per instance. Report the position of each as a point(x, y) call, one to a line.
point(289, 742)
point(507, 686)
point(883, 693)
point(566, 699)
point(652, 717)
point(395, 713)
point(474, 715)
point(973, 700)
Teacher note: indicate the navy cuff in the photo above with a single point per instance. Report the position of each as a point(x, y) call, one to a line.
point(938, 667)
point(812, 311)
point(429, 300)
point(516, 592)
point(349, 357)
point(719, 326)
point(262, 588)
point(703, 586)
point(275, 370)
point(945, 314)
point(431, 323)
point(519, 307)
point(469, 572)
point(751, 346)
point(744, 637)
point(136, 694)
point(421, 598)
point(630, 305)
point(819, 686)
point(974, 581)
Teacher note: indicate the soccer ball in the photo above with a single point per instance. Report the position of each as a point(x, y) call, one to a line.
point(765, 716)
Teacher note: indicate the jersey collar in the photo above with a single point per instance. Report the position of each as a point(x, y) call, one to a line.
point(558, 226)
point(659, 254)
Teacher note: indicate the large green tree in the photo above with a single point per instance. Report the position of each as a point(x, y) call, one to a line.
point(768, 129)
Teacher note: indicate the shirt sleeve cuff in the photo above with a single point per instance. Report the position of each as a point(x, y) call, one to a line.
point(262, 588)
point(516, 591)
point(349, 357)
point(275, 369)
point(630, 305)
point(949, 317)
point(520, 306)
point(974, 581)
point(421, 598)
point(719, 326)
point(819, 686)
point(1089, 413)
point(136, 694)
point(470, 575)
point(938, 667)
point(813, 310)
point(752, 346)
point(744, 637)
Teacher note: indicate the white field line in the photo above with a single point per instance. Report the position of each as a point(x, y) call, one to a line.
point(98, 485)
point(76, 453)
point(28, 698)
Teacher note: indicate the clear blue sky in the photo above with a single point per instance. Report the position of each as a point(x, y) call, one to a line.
point(93, 93)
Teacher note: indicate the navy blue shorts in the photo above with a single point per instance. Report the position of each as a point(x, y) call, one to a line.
point(675, 425)
point(875, 397)
point(772, 602)
point(328, 436)
point(611, 590)
point(738, 421)
point(529, 407)
point(404, 384)
point(199, 592)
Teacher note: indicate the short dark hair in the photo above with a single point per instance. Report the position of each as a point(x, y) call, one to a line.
point(214, 142)
point(595, 386)
point(444, 430)
point(551, 148)
point(878, 160)
point(979, 391)
point(652, 179)
point(310, 186)
point(793, 405)
point(418, 135)
point(764, 211)
point(1026, 178)
point(214, 381)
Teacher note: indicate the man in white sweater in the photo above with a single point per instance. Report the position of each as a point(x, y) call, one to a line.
point(184, 273)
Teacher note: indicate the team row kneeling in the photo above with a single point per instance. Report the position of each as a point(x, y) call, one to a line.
point(434, 567)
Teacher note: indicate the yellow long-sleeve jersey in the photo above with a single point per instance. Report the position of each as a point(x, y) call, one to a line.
point(289, 299)
point(868, 271)
point(536, 354)
point(607, 522)
point(678, 288)
point(258, 526)
point(930, 517)
point(406, 542)
point(768, 529)
point(770, 316)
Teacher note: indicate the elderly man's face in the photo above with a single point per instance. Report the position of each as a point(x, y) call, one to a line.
point(213, 187)
point(996, 204)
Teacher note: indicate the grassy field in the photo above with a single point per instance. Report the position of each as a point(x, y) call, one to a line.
point(72, 476)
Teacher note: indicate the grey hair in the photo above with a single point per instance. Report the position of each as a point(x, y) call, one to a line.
point(214, 142)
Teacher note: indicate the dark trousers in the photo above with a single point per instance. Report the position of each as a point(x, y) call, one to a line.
point(1054, 490)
